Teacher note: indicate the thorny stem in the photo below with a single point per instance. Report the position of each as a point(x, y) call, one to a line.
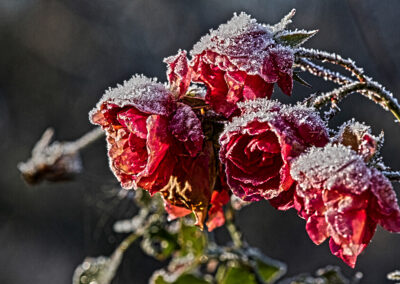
point(319, 71)
point(365, 85)
point(234, 233)
point(375, 93)
point(392, 176)
point(348, 64)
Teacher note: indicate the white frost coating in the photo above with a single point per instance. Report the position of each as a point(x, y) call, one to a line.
point(241, 43)
point(254, 110)
point(220, 39)
point(331, 166)
point(286, 20)
point(146, 94)
point(275, 113)
point(354, 127)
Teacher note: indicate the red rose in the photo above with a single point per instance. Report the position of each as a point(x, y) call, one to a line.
point(146, 132)
point(258, 146)
point(341, 198)
point(241, 61)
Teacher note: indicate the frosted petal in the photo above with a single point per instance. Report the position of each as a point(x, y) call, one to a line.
point(145, 94)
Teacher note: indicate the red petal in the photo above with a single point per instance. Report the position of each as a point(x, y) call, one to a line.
point(317, 229)
point(179, 73)
point(284, 201)
point(134, 121)
point(385, 209)
point(186, 127)
point(160, 162)
point(175, 212)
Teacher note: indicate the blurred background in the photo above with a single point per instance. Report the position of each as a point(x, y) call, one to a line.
point(58, 56)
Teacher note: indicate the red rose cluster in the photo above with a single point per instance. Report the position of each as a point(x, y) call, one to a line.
point(167, 139)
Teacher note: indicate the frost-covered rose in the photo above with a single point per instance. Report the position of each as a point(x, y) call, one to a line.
point(241, 61)
point(258, 147)
point(341, 198)
point(148, 132)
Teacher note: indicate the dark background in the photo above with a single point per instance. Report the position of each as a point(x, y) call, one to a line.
point(57, 57)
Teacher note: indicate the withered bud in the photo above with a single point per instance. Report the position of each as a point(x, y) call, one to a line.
point(358, 137)
point(58, 161)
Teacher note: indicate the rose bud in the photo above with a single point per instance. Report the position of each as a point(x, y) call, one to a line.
point(258, 147)
point(241, 61)
point(341, 198)
point(57, 161)
point(358, 136)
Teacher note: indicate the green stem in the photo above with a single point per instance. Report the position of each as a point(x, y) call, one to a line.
point(234, 233)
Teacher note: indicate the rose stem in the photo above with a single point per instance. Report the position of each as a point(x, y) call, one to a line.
point(365, 85)
point(234, 232)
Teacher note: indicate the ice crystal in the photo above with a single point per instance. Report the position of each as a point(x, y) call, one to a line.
point(146, 94)
point(331, 166)
point(244, 41)
point(267, 110)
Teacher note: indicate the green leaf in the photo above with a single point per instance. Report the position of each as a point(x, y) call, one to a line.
point(235, 274)
point(300, 80)
point(191, 240)
point(268, 272)
point(294, 38)
point(163, 278)
point(268, 269)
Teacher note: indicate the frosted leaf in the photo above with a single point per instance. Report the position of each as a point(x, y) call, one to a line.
point(331, 167)
point(284, 22)
point(294, 38)
point(145, 94)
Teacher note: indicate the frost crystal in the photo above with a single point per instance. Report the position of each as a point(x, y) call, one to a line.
point(146, 94)
point(244, 41)
point(267, 110)
point(331, 166)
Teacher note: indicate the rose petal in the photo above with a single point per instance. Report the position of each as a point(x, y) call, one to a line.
point(186, 127)
point(179, 73)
